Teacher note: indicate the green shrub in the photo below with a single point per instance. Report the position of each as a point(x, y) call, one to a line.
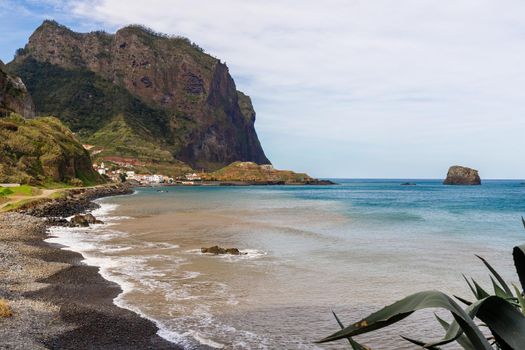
point(76, 182)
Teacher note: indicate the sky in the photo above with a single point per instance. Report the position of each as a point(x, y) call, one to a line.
point(346, 88)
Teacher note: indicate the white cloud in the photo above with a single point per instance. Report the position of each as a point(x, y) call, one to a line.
point(435, 81)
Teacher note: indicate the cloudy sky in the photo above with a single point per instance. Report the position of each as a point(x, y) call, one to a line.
point(347, 88)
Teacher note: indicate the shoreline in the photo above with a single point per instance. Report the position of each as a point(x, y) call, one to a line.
point(59, 302)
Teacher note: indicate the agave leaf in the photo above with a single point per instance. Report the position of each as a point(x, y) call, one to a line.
point(497, 275)
point(405, 307)
point(442, 322)
point(355, 345)
point(520, 298)
point(523, 221)
point(519, 262)
point(454, 331)
point(462, 339)
point(470, 286)
point(464, 301)
point(506, 323)
point(498, 291)
point(338, 320)
point(420, 343)
point(482, 293)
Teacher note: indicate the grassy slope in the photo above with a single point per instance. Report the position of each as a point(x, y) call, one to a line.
point(251, 172)
point(42, 151)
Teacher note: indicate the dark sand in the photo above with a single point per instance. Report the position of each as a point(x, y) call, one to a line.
point(86, 300)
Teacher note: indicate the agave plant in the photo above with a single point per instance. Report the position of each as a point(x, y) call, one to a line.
point(501, 311)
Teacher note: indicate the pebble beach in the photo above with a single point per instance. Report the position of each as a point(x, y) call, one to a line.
point(57, 302)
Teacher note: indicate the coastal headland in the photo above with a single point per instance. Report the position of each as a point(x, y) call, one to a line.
point(56, 301)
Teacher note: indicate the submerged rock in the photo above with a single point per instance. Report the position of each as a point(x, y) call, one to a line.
point(459, 175)
point(408, 184)
point(91, 219)
point(79, 221)
point(218, 250)
point(84, 220)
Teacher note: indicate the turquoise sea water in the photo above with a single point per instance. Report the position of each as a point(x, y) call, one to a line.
point(352, 247)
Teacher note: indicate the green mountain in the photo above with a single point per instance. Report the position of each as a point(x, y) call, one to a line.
point(140, 95)
point(42, 151)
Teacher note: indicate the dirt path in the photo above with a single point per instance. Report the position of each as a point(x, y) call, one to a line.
point(13, 199)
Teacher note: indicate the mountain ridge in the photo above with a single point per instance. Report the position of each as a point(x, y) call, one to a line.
point(165, 90)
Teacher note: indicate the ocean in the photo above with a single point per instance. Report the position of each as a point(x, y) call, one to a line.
point(351, 248)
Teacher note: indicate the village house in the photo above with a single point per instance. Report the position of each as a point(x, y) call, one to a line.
point(192, 177)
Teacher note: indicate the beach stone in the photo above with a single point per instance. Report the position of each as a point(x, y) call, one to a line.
point(79, 221)
point(57, 222)
point(92, 220)
point(218, 250)
point(460, 175)
point(233, 251)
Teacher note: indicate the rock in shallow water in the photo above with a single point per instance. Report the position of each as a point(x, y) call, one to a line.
point(218, 250)
point(459, 175)
point(84, 220)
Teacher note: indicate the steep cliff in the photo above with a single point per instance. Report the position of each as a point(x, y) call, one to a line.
point(14, 96)
point(42, 150)
point(171, 99)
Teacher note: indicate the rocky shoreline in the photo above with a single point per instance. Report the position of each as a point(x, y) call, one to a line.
point(57, 301)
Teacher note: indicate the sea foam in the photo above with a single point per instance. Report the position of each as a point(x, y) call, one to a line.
point(91, 241)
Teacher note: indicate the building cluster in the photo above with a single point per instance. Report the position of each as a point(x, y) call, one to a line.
point(118, 175)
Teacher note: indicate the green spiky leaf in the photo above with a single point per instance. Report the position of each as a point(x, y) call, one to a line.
point(420, 343)
point(462, 339)
point(520, 298)
point(464, 301)
point(482, 293)
point(505, 322)
point(496, 275)
point(355, 345)
point(519, 262)
point(470, 286)
point(498, 291)
point(405, 307)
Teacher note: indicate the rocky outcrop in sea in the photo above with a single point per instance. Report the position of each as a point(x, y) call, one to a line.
point(460, 175)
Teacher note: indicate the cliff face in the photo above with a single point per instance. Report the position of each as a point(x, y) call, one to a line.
point(42, 150)
point(169, 93)
point(14, 97)
point(459, 175)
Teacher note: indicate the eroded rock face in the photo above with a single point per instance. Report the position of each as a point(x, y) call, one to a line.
point(459, 175)
point(14, 97)
point(186, 101)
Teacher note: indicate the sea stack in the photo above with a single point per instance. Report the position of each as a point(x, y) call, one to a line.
point(460, 175)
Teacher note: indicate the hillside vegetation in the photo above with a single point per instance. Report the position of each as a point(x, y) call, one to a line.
point(42, 151)
point(254, 173)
